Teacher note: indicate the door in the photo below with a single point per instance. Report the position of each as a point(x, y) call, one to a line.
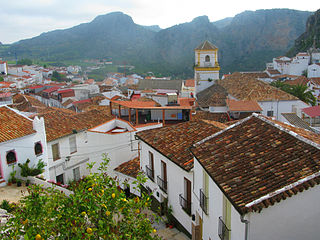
point(164, 174)
point(187, 194)
point(227, 216)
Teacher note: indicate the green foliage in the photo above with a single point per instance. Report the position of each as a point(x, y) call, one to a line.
point(300, 91)
point(97, 209)
point(13, 173)
point(1, 79)
point(58, 77)
point(245, 43)
point(25, 61)
point(33, 171)
point(6, 205)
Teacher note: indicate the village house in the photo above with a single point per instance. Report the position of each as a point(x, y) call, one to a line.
point(21, 138)
point(166, 160)
point(314, 70)
point(243, 87)
point(67, 142)
point(253, 177)
point(3, 67)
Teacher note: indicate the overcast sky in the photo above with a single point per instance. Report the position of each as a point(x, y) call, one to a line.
point(22, 19)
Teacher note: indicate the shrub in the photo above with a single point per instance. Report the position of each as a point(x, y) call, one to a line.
point(95, 210)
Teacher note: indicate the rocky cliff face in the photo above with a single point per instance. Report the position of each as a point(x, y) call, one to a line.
point(311, 36)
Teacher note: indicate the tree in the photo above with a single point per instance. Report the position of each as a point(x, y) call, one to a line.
point(301, 91)
point(1, 79)
point(97, 209)
point(25, 61)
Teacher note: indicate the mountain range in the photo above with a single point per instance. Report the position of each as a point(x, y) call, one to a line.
point(246, 42)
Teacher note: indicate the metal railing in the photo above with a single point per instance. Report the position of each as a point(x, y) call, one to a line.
point(203, 202)
point(185, 204)
point(223, 231)
point(162, 184)
point(150, 172)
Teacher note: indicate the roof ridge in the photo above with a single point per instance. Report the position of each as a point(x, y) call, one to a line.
point(283, 189)
point(292, 133)
point(222, 131)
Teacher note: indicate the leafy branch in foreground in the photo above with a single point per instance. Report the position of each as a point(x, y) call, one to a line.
point(97, 209)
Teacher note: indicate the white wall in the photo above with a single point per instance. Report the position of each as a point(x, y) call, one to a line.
point(24, 149)
point(218, 109)
point(295, 218)
point(279, 107)
point(66, 165)
point(215, 208)
point(175, 179)
point(313, 70)
point(169, 114)
point(212, 54)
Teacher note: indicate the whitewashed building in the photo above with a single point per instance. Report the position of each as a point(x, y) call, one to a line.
point(207, 68)
point(166, 160)
point(21, 138)
point(267, 188)
point(273, 101)
point(3, 67)
point(314, 70)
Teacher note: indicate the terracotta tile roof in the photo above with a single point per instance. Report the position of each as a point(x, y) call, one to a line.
point(186, 101)
point(293, 119)
point(315, 80)
point(130, 168)
point(206, 45)
point(215, 95)
point(52, 89)
point(190, 83)
point(174, 141)
point(243, 106)
point(136, 104)
point(66, 103)
point(273, 71)
point(312, 111)
point(244, 87)
point(255, 159)
point(256, 74)
point(62, 122)
point(301, 80)
point(13, 125)
point(222, 117)
point(26, 103)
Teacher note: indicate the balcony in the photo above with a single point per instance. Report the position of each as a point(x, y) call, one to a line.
point(223, 231)
point(203, 202)
point(162, 184)
point(150, 172)
point(185, 204)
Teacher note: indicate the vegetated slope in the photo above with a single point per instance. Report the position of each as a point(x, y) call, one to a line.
point(310, 37)
point(245, 41)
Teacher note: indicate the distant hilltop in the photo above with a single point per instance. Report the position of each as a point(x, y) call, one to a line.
point(245, 42)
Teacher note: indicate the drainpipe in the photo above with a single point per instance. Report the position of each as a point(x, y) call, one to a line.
point(246, 222)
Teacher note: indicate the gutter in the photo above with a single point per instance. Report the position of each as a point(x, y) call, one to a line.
point(246, 222)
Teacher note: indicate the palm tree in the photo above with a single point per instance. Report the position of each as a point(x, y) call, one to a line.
point(301, 91)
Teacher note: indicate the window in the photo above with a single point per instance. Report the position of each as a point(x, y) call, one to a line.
point(38, 148)
point(207, 58)
point(76, 173)
point(59, 179)
point(55, 151)
point(150, 168)
point(270, 113)
point(73, 144)
point(11, 157)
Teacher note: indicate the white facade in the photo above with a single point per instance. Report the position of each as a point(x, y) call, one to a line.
point(3, 67)
point(276, 108)
point(175, 182)
point(72, 163)
point(206, 69)
point(314, 70)
point(294, 218)
point(24, 148)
